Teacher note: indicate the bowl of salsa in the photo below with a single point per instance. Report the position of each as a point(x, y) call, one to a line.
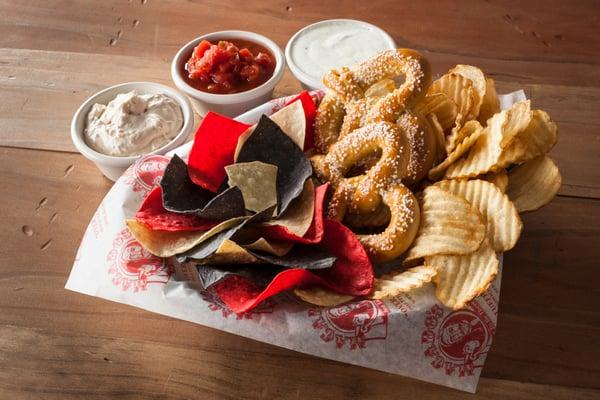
point(228, 72)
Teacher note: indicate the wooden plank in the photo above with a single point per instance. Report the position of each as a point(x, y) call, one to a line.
point(53, 365)
point(513, 30)
point(536, 329)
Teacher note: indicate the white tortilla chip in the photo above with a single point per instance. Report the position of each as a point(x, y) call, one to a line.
point(276, 248)
point(299, 215)
point(257, 181)
point(292, 121)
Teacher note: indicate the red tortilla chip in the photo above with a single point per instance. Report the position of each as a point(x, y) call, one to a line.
point(314, 234)
point(240, 294)
point(153, 214)
point(310, 112)
point(352, 273)
point(213, 149)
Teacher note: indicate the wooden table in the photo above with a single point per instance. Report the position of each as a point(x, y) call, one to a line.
point(55, 344)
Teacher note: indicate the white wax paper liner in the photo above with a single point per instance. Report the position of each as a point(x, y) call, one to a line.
point(411, 335)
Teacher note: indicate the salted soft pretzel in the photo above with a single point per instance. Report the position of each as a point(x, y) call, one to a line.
point(349, 85)
point(422, 144)
point(403, 224)
point(384, 137)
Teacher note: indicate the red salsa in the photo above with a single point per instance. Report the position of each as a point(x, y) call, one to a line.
point(230, 66)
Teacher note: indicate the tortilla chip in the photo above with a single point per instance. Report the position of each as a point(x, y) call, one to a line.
point(153, 214)
point(299, 216)
point(310, 113)
point(257, 182)
point(241, 140)
point(292, 122)
point(210, 245)
point(213, 149)
point(315, 231)
point(168, 244)
point(277, 248)
point(301, 256)
point(270, 145)
point(181, 195)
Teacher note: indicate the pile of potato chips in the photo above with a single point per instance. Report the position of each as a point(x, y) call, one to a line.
point(494, 166)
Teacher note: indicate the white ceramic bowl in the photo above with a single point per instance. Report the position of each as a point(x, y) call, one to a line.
point(112, 166)
point(309, 82)
point(228, 104)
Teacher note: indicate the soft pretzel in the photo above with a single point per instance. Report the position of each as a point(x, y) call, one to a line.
point(403, 224)
point(349, 86)
point(390, 139)
point(422, 144)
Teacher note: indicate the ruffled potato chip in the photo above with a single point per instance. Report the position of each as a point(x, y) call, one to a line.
point(441, 106)
point(460, 279)
point(322, 297)
point(536, 139)
point(396, 282)
point(487, 153)
point(490, 104)
point(534, 184)
point(449, 225)
point(381, 88)
point(503, 222)
point(469, 134)
point(460, 90)
point(438, 131)
point(498, 178)
point(477, 78)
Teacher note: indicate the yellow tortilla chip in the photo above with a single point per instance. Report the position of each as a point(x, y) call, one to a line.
point(230, 252)
point(257, 182)
point(167, 244)
point(299, 215)
point(292, 121)
point(241, 140)
point(322, 297)
point(276, 248)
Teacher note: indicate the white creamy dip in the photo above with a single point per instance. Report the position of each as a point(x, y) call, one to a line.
point(133, 124)
point(332, 44)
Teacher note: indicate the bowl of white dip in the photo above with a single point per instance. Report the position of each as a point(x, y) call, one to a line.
point(117, 125)
point(333, 43)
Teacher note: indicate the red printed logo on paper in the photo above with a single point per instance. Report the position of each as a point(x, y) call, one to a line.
point(215, 304)
point(458, 341)
point(134, 267)
point(352, 324)
point(146, 173)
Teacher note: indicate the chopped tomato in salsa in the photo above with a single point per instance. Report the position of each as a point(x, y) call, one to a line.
point(226, 68)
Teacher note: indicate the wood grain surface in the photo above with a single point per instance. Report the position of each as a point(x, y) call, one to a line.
point(55, 344)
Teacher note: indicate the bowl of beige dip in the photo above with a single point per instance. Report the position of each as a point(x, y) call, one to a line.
point(117, 125)
point(333, 43)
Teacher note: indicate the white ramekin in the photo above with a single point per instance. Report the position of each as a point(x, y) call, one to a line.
point(309, 82)
point(111, 166)
point(228, 104)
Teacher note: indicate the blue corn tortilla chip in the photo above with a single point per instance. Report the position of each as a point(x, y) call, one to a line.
point(181, 195)
point(269, 144)
point(208, 275)
point(212, 244)
point(301, 256)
